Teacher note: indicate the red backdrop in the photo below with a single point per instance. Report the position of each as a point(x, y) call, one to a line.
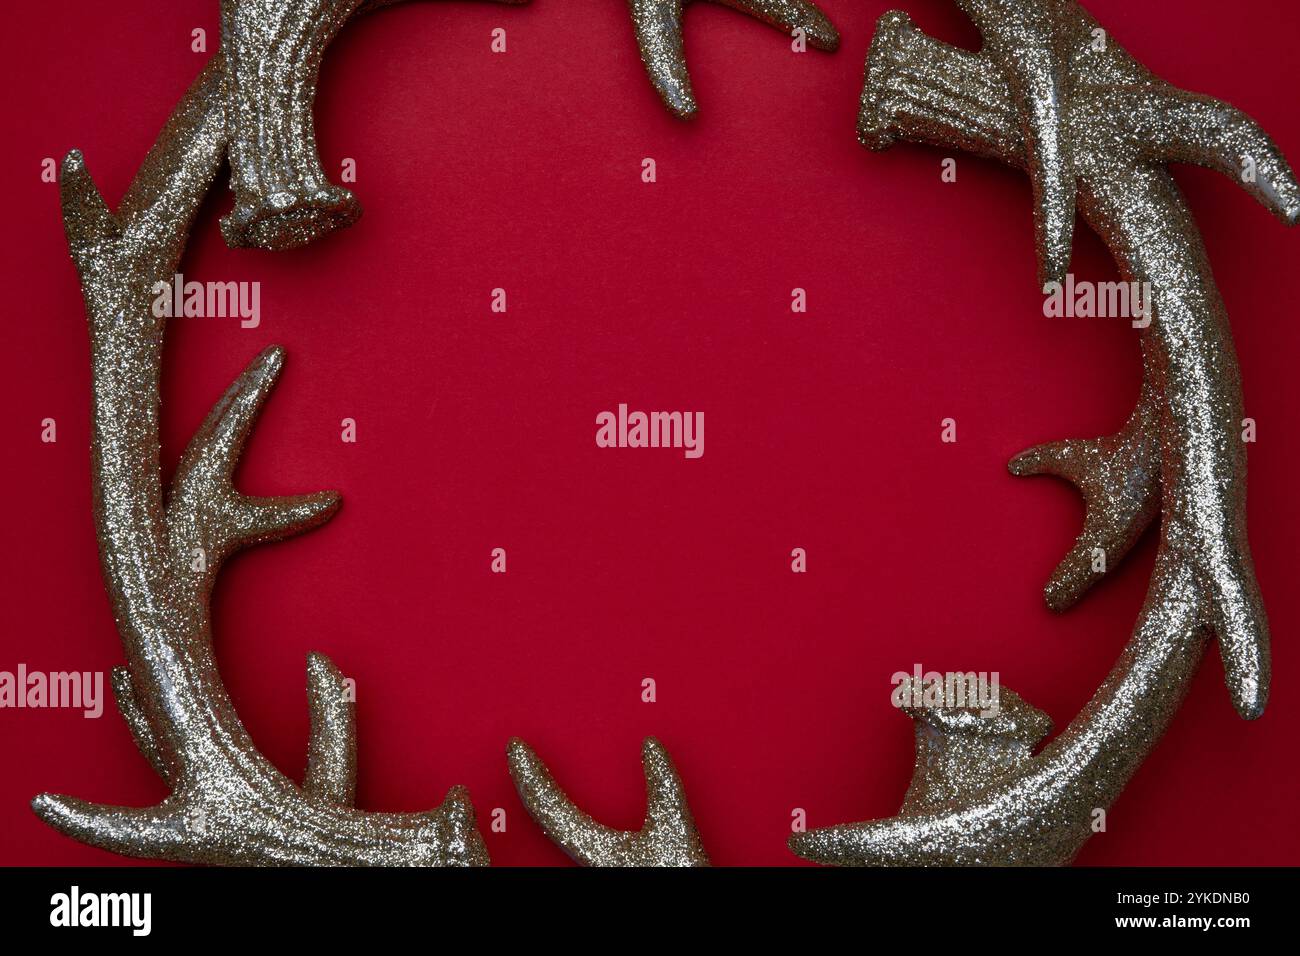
point(476, 430)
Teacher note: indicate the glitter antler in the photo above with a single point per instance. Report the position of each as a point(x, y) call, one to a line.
point(658, 25)
point(228, 803)
point(1119, 478)
point(668, 837)
point(1113, 132)
point(273, 51)
point(282, 197)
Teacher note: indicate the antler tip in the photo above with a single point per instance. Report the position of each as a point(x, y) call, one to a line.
point(526, 768)
point(836, 846)
point(821, 33)
point(136, 831)
point(86, 215)
point(1254, 710)
point(1249, 696)
point(320, 666)
point(683, 107)
point(265, 369)
point(457, 809)
point(1053, 262)
point(1023, 464)
point(62, 813)
point(272, 354)
point(1063, 592)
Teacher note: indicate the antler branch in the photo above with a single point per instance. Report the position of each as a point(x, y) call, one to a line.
point(1120, 125)
point(658, 26)
point(668, 837)
point(1119, 478)
point(228, 803)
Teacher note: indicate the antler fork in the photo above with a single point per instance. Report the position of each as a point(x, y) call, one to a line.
point(160, 559)
point(1112, 132)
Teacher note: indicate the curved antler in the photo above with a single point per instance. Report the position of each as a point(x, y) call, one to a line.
point(1119, 125)
point(228, 803)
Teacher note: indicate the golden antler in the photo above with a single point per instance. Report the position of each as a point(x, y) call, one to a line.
point(1113, 132)
point(228, 803)
point(668, 837)
point(658, 25)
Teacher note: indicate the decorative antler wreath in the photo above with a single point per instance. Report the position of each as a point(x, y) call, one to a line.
point(1080, 116)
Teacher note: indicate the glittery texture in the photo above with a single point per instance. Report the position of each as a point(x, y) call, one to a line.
point(668, 837)
point(1019, 38)
point(273, 54)
point(273, 51)
point(160, 559)
point(1088, 124)
point(956, 747)
point(1119, 479)
point(1110, 135)
point(658, 25)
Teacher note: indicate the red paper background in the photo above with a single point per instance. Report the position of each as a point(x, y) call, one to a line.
point(476, 429)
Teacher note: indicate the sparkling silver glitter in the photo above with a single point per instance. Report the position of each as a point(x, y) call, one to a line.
point(668, 837)
point(1045, 96)
point(658, 25)
point(1090, 126)
point(228, 804)
point(273, 51)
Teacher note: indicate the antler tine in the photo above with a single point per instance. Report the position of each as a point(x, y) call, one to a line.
point(205, 511)
point(152, 221)
point(1019, 38)
point(658, 26)
point(924, 91)
point(1119, 479)
point(790, 15)
point(668, 837)
point(150, 831)
point(332, 753)
point(137, 720)
point(1164, 124)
